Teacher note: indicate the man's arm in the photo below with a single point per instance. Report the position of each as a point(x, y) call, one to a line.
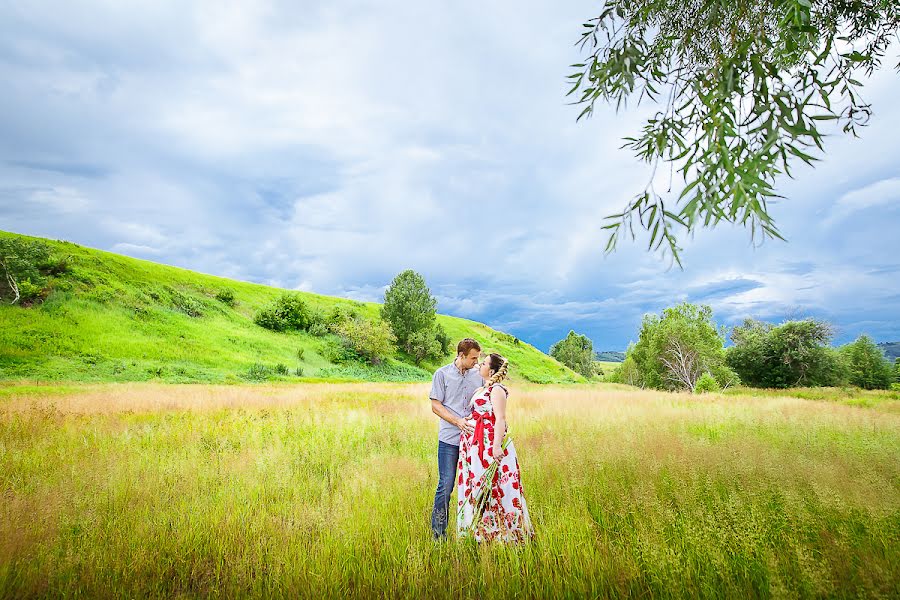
point(438, 408)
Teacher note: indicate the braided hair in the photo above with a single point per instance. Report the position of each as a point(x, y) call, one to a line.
point(500, 367)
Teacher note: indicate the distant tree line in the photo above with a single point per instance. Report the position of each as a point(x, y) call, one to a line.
point(684, 349)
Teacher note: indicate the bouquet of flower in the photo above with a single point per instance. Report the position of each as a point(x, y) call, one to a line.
point(485, 484)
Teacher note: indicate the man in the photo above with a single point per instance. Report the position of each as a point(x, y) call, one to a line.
point(452, 388)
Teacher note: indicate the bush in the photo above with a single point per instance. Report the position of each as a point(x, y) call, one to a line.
point(258, 372)
point(707, 383)
point(300, 352)
point(867, 365)
point(287, 313)
point(226, 297)
point(627, 373)
point(298, 372)
point(281, 369)
point(319, 329)
point(370, 340)
point(186, 304)
point(424, 344)
point(339, 315)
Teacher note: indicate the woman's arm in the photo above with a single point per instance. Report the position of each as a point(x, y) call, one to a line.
point(498, 401)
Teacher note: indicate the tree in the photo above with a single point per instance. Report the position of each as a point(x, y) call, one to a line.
point(897, 370)
point(867, 365)
point(674, 350)
point(409, 306)
point(576, 352)
point(742, 85)
point(23, 265)
point(795, 353)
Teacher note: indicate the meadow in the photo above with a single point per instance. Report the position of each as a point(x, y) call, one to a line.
point(325, 490)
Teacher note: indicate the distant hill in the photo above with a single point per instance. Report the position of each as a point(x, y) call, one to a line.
point(609, 356)
point(116, 318)
point(891, 350)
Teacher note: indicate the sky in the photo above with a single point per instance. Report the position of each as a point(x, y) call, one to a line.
point(327, 146)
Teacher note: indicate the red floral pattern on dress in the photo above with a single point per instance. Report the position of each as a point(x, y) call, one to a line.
point(505, 517)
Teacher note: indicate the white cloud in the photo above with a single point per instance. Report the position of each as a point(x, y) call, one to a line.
point(880, 193)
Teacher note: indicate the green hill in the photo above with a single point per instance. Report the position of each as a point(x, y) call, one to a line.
point(610, 356)
point(114, 318)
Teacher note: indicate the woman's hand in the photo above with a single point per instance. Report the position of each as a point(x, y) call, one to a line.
point(497, 449)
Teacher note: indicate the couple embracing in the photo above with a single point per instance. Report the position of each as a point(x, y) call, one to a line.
point(470, 398)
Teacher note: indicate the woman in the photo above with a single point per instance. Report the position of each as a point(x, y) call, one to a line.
point(491, 498)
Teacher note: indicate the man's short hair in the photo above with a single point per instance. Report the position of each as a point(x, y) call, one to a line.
point(466, 346)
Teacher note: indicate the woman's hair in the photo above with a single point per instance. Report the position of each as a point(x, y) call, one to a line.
point(500, 367)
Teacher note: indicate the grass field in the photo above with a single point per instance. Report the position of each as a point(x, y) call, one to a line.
point(325, 490)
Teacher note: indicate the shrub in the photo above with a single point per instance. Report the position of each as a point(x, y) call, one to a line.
point(226, 297)
point(319, 329)
point(281, 369)
point(707, 383)
point(298, 372)
point(258, 372)
point(370, 340)
point(287, 313)
point(867, 365)
point(186, 304)
point(340, 314)
point(300, 352)
point(627, 373)
point(444, 339)
point(424, 344)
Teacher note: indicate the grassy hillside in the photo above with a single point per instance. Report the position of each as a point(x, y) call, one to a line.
point(114, 318)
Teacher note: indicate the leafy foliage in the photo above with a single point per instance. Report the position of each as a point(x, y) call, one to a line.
point(409, 307)
point(287, 313)
point(370, 340)
point(226, 297)
point(675, 349)
point(743, 86)
point(423, 344)
point(707, 383)
point(795, 353)
point(627, 373)
point(576, 352)
point(24, 265)
point(867, 365)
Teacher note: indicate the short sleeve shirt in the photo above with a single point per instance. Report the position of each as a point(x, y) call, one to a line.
point(454, 390)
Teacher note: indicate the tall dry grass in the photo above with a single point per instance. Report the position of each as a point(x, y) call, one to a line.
point(326, 490)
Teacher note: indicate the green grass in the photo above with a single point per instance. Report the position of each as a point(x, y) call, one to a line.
point(115, 318)
point(142, 490)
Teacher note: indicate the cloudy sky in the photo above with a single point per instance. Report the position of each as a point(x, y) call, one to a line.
point(327, 146)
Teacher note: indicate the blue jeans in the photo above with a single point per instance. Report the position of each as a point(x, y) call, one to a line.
point(448, 456)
